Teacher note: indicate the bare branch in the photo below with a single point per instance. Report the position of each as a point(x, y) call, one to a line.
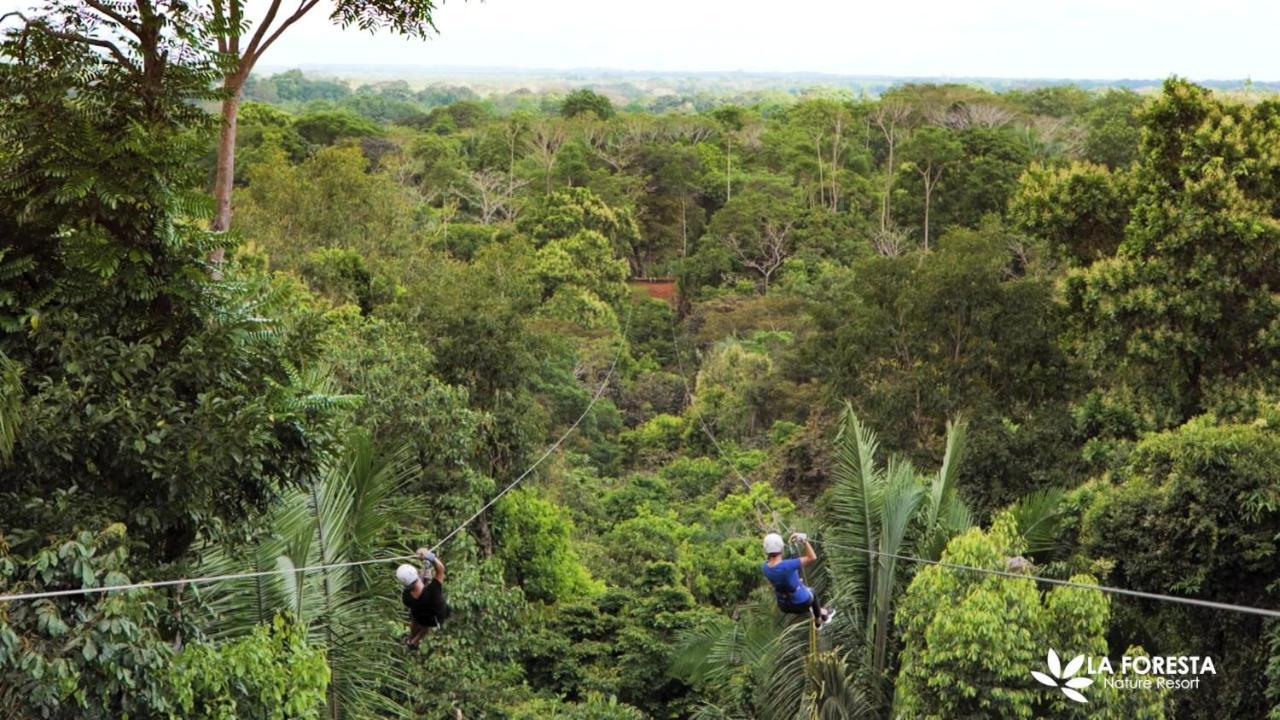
point(269, 18)
point(114, 15)
point(303, 8)
point(111, 47)
point(889, 241)
point(763, 253)
point(491, 193)
point(989, 116)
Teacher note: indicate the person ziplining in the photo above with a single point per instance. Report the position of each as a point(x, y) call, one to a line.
point(792, 594)
point(423, 595)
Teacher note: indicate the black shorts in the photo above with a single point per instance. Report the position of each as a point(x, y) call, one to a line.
point(434, 620)
point(804, 607)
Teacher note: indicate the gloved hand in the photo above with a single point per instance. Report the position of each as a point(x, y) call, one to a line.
point(798, 537)
point(425, 554)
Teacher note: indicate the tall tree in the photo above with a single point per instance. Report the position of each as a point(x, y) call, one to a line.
point(930, 151)
point(924, 337)
point(973, 661)
point(757, 228)
point(151, 39)
point(585, 101)
point(154, 397)
point(890, 117)
point(156, 48)
point(1195, 511)
point(1185, 313)
point(243, 41)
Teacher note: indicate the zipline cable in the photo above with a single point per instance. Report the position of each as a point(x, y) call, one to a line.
point(688, 395)
point(1211, 604)
point(622, 343)
point(192, 581)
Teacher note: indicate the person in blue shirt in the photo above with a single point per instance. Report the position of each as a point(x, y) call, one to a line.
point(792, 594)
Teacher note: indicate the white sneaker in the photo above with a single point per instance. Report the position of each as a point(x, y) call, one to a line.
point(827, 615)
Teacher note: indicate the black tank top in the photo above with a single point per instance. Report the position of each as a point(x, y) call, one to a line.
point(429, 604)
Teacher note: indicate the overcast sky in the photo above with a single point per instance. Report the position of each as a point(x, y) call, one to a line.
point(1104, 39)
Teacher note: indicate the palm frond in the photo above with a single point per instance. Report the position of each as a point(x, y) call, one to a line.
point(782, 692)
point(340, 518)
point(716, 654)
point(903, 495)
point(944, 482)
point(1039, 518)
point(856, 494)
point(837, 693)
point(945, 514)
point(10, 406)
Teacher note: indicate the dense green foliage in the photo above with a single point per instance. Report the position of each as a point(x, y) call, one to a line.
point(1062, 300)
point(269, 673)
point(973, 660)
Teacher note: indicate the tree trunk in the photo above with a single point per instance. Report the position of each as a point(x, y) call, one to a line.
point(928, 195)
point(835, 167)
point(485, 538)
point(225, 176)
point(728, 170)
point(822, 183)
point(684, 226)
point(511, 169)
point(886, 212)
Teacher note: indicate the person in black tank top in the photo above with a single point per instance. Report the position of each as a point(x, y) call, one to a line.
point(423, 595)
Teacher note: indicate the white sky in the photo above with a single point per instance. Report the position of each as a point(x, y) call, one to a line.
point(1102, 39)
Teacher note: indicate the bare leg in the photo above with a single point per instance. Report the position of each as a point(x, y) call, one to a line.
point(416, 632)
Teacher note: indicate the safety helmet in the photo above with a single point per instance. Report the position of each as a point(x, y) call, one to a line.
point(407, 574)
point(773, 544)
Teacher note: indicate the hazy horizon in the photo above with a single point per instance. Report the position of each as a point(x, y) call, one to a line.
point(998, 39)
point(427, 68)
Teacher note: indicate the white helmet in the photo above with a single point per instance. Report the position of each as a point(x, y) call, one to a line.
point(773, 544)
point(407, 574)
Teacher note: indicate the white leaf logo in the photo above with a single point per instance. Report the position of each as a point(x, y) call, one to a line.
point(1064, 678)
point(1055, 666)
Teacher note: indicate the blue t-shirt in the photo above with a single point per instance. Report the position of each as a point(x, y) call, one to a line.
point(785, 577)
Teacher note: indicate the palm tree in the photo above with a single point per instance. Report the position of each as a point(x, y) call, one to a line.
point(761, 665)
point(342, 517)
point(883, 513)
point(10, 406)
point(724, 655)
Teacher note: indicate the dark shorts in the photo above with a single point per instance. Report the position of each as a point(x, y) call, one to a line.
point(804, 607)
point(812, 606)
point(427, 618)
